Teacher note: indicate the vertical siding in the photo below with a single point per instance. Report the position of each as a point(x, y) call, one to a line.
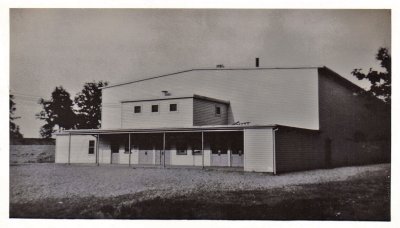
point(297, 149)
point(258, 150)
point(344, 115)
point(164, 118)
point(204, 113)
point(280, 96)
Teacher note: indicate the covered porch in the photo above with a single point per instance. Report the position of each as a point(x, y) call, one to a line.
point(245, 148)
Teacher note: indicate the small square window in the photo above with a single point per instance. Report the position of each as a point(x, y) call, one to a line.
point(173, 107)
point(154, 108)
point(138, 109)
point(91, 146)
point(217, 110)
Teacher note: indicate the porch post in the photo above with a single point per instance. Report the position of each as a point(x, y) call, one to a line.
point(129, 148)
point(69, 149)
point(97, 150)
point(164, 147)
point(202, 148)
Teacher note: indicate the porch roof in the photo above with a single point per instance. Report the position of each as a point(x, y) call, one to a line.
point(174, 129)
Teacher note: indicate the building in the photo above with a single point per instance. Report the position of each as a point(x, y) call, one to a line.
point(262, 119)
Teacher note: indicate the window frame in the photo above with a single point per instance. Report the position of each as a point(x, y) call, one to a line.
point(176, 107)
point(140, 109)
point(218, 108)
point(158, 108)
point(92, 147)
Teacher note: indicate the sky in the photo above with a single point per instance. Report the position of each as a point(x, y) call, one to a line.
point(68, 47)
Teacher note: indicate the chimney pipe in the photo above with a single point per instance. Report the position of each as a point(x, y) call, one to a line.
point(257, 62)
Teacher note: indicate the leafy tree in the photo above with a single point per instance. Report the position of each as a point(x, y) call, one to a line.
point(380, 81)
point(88, 103)
point(57, 112)
point(14, 128)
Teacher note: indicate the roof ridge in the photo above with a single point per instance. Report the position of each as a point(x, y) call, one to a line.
point(199, 69)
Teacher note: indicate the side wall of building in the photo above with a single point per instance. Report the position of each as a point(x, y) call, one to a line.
point(355, 130)
point(79, 151)
point(204, 113)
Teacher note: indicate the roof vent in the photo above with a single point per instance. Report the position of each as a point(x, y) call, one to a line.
point(257, 62)
point(166, 93)
point(220, 66)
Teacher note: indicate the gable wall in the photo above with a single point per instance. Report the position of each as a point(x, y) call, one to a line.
point(273, 96)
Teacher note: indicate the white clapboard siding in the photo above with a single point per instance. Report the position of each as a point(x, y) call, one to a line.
point(258, 150)
point(262, 96)
point(80, 149)
point(204, 113)
point(62, 144)
point(183, 117)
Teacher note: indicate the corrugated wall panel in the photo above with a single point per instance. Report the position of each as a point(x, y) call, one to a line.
point(281, 96)
point(258, 150)
point(297, 149)
point(358, 127)
point(204, 113)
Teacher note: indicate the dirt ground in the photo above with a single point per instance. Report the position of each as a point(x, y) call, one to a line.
point(85, 191)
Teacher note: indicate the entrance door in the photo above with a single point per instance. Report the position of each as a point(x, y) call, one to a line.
point(237, 158)
point(146, 156)
point(219, 157)
point(166, 157)
point(114, 153)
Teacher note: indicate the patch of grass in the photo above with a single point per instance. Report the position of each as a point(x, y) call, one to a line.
point(366, 198)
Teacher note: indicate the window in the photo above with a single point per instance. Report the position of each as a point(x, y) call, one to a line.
point(181, 149)
point(154, 108)
point(114, 148)
point(196, 152)
point(217, 111)
point(173, 107)
point(91, 146)
point(138, 109)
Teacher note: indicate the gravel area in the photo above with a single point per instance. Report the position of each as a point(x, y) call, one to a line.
point(29, 182)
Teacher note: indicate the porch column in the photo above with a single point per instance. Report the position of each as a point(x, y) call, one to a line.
point(129, 148)
point(69, 149)
point(97, 150)
point(164, 148)
point(229, 157)
point(202, 149)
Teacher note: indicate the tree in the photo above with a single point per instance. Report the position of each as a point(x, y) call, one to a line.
point(88, 103)
point(14, 128)
point(57, 112)
point(381, 82)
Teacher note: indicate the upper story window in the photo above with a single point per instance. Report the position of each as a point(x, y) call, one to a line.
point(217, 111)
point(91, 146)
point(154, 108)
point(138, 109)
point(173, 107)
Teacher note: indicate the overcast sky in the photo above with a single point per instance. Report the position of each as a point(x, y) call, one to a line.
point(68, 47)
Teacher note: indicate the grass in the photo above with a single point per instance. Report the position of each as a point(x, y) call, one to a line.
point(363, 198)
